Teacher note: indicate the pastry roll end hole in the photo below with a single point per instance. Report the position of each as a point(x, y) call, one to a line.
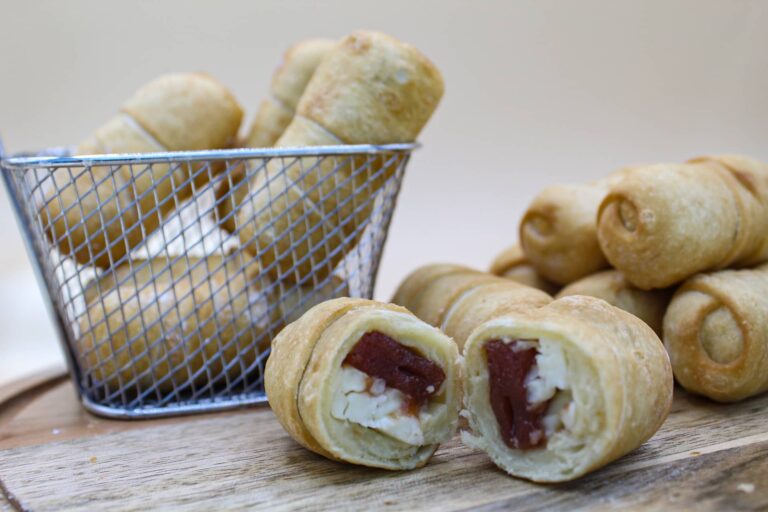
point(721, 337)
point(538, 226)
point(626, 213)
point(387, 386)
point(529, 392)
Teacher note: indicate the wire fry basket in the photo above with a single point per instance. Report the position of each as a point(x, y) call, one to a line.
point(165, 305)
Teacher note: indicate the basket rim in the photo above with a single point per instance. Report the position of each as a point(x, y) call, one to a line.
point(22, 161)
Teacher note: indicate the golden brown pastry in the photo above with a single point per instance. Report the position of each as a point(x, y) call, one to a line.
point(556, 392)
point(457, 299)
point(288, 84)
point(663, 223)
point(294, 300)
point(513, 264)
point(716, 333)
point(273, 117)
point(558, 232)
point(98, 215)
point(611, 286)
point(370, 89)
point(365, 382)
point(166, 324)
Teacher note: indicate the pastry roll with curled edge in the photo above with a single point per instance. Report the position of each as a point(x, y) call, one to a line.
point(663, 223)
point(170, 324)
point(365, 382)
point(558, 232)
point(512, 264)
point(98, 215)
point(457, 299)
point(611, 286)
point(716, 333)
point(556, 392)
point(274, 115)
point(369, 89)
point(288, 83)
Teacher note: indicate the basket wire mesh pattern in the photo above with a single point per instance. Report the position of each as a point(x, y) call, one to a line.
point(163, 311)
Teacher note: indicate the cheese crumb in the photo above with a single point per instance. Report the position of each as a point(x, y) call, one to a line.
point(548, 375)
point(376, 406)
point(747, 488)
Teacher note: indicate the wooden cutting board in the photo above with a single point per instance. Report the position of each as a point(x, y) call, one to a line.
point(55, 456)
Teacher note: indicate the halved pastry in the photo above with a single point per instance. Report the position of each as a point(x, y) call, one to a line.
point(365, 382)
point(557, 392)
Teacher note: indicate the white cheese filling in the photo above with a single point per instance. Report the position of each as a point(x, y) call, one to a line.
point(376, 406)
point(548, 380)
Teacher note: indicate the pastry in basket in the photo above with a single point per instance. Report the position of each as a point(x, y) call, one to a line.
point(303, 219)
point(663, 223)
point(99, 214)
point(611, 286)
point(294, 300)
point(168, 324)
point(513, 264)
point(288, 83)
point(365, 382)
point(274, 115)
point(716, 333)
point(558, 232)
point(556, 392)
point(457, 299)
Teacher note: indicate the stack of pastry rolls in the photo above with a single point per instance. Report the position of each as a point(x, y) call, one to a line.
point(661, 227)
point(100, 214)
point(671, 223)
point(370, 88)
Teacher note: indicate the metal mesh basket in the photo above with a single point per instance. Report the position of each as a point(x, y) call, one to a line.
point(163, 304)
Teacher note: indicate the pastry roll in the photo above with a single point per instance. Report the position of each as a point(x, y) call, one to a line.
point(558, 232)
point(288, 84)
point(99, 214)
point(169, 325)
point(457, 299)
point(611, 286)
point(513, 264)
point(364, 382)
point(716, 333)
point(556, 392)
point(274, 115)
point(663, 223)
point(370, 89)
point(298, 299)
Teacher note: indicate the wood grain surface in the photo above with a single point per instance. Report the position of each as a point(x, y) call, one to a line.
point(54, 456)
